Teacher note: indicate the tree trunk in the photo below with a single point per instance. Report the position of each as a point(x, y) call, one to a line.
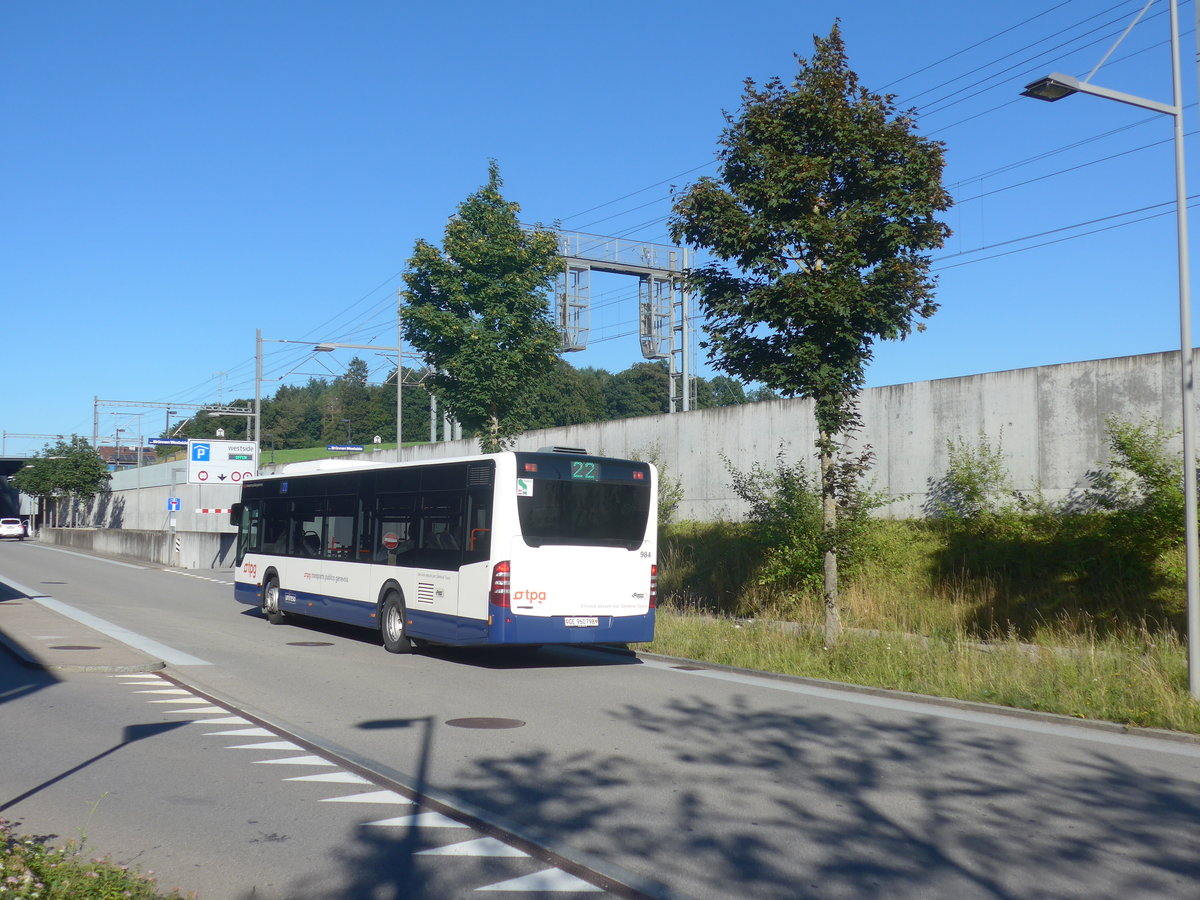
point(491, 444)
point(833, 619)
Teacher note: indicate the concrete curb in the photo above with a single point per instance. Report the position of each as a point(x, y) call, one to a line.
point(41, 638)
point(1013, 712)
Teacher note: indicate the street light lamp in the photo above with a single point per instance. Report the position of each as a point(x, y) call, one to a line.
point(1054, 87)
point(328, 347)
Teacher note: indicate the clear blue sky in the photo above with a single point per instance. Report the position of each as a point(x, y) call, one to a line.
point(177, 174)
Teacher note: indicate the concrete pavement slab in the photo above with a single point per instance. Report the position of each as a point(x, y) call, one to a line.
point(45, 639)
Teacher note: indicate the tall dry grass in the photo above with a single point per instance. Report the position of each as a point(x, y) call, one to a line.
point(919, 617)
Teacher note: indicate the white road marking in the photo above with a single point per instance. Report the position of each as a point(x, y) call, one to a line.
point(178, 701)
point(198, 577)
point(420, 820)
point(371, 797)
point(269, 745)
point(167, 654)
point(331, 778)
point(547, 881)
point(294, 761)
point(484, 846)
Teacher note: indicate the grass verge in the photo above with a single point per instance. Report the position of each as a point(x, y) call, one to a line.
point(1136, 679)
point(32, 869)
point(1013, 621)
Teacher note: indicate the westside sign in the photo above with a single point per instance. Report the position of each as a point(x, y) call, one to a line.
point(221, 462)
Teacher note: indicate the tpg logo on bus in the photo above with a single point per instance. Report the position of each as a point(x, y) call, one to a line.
point(539, 596)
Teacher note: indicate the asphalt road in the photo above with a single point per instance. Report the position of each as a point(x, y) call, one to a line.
point(666, 778)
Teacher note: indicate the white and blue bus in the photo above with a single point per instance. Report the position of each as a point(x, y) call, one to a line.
point(552, 547)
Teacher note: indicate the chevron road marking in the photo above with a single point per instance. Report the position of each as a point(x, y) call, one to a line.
point(551, 880)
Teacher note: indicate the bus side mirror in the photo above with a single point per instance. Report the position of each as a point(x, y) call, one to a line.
point(235, 514)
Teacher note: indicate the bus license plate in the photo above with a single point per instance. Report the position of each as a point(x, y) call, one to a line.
point(582, 621)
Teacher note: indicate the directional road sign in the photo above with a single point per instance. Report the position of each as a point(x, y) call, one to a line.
point(221, 462)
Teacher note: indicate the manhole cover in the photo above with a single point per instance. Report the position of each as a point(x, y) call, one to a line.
point(485, 723)
point(310, 644)
point(689, 668)
point(73, 647)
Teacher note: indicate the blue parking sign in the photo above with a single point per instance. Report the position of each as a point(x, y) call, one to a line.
point(201, 452)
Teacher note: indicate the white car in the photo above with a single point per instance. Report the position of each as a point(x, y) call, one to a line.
point(12, 528)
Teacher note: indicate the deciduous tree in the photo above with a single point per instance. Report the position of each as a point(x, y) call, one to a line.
point(817, 230)
point(477, 309)
point(68, 469)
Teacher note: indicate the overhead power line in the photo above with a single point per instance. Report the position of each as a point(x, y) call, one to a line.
point(992, 37)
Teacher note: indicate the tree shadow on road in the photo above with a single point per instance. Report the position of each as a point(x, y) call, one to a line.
point(776, 803)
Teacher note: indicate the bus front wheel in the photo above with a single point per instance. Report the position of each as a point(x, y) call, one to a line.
point(270, 602)
point(391, 625)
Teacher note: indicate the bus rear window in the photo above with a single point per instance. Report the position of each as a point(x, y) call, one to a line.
point(585, 513)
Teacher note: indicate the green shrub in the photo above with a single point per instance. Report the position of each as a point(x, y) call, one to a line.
point(1108, 562)
point(1142, 490)
point(976, 484)
point(670, 488)
point(30, 869)
point(785, 508)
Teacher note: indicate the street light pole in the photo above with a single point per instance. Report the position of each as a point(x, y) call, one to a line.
point(326, 346)
point(258, 363)
point(1054, 87)
point(400, 372)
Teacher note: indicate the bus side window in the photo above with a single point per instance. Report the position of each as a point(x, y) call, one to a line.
point(394, 519)
point(339, 527)
point(441, 522)
point(307, 524)
point(440, 538)
point(366, 533)
point(275, 524)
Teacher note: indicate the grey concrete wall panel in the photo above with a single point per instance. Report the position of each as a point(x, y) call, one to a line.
point(197, 550)
point(1049, 422)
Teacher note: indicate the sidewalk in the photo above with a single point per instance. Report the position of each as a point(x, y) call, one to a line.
point(45, 639)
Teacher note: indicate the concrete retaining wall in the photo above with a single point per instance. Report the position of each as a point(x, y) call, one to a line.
point(1049, 421)
point(197, 550)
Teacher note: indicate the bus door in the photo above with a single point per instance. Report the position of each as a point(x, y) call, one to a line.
point(475, 575)
point(437, 553)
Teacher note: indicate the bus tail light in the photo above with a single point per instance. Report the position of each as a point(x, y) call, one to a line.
point(653, 587)
point(501, 592)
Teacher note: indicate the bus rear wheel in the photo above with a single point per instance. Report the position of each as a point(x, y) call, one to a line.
point(270, 602)
point(391, 625)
